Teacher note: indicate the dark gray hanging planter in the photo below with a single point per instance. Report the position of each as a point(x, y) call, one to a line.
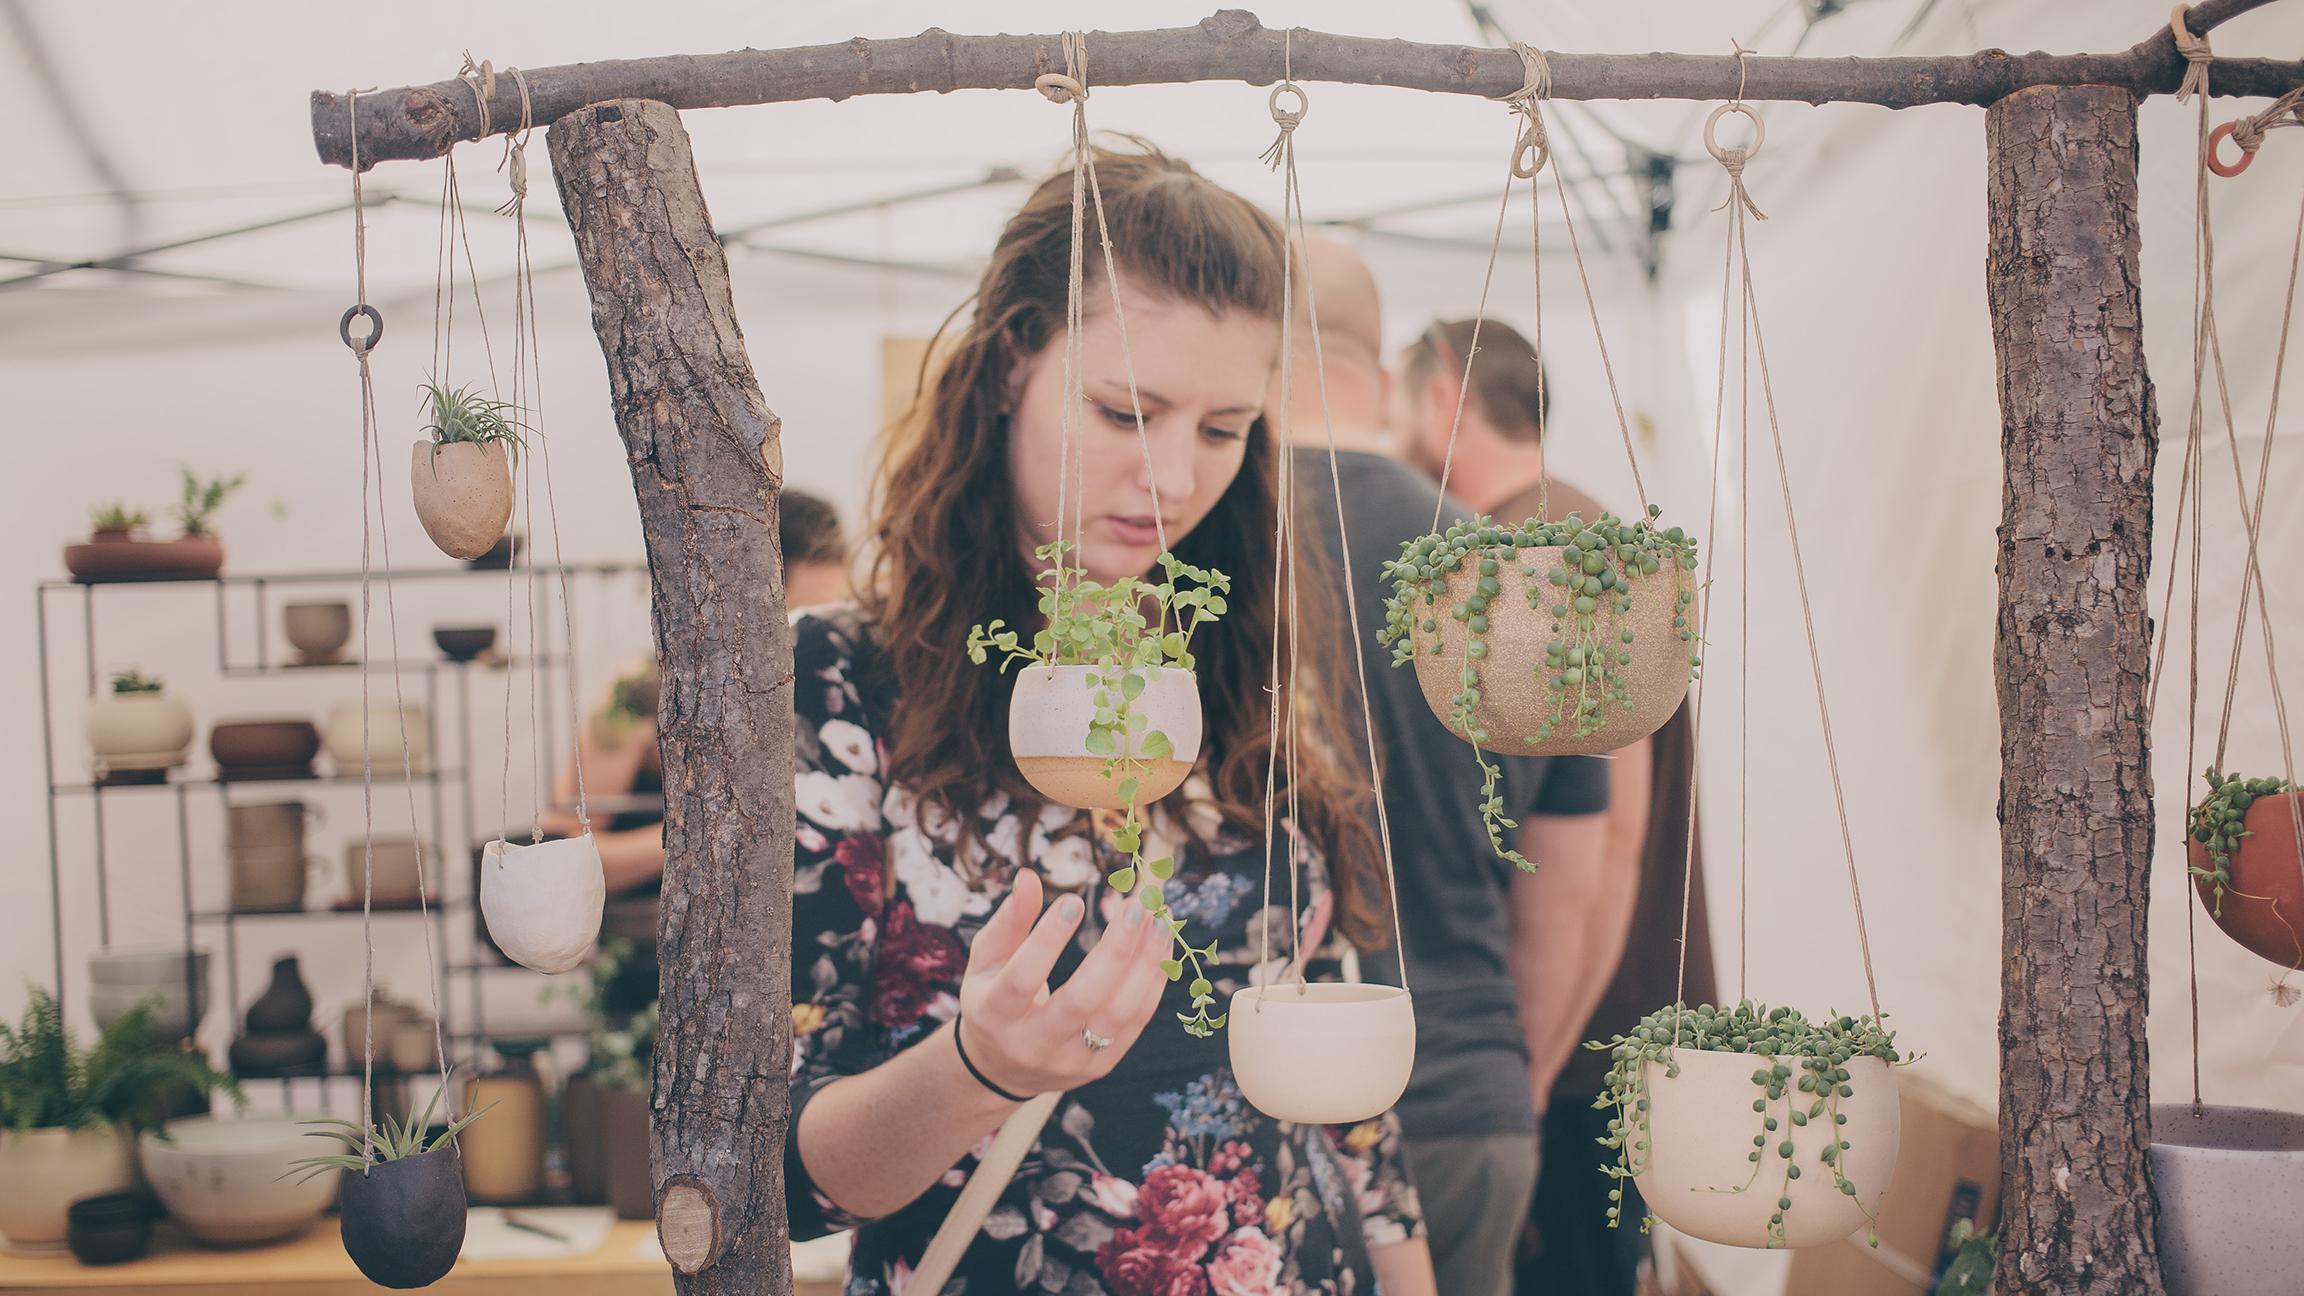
point(404, 1219)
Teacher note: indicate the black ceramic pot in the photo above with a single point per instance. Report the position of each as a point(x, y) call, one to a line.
point(285, 1005)
point(404, 1220)
point(109, 1229)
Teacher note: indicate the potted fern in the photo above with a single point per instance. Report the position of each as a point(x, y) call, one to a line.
point(461, 471)
point(1546, 638)
point(66, 1114)
point(403, 1194)
point(1753, 1126)
point(2248, 868)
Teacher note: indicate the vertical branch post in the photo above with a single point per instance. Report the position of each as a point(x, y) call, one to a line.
point(707, 466)
point(2078, 436)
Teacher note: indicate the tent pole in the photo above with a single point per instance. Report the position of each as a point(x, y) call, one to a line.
point(707, 464)
point(2071, 657)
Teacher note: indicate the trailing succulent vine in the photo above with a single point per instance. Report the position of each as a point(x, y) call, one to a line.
point(1105, 627)
point(2219, 823)
point(1588, 589)
point(1805, 1081)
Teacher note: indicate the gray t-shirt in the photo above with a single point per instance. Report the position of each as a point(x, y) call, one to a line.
point(1471, 1075)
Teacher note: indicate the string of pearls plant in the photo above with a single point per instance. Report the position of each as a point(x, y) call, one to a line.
point(2219, 823)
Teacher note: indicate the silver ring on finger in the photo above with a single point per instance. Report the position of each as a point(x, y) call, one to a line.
point(1094, 1041)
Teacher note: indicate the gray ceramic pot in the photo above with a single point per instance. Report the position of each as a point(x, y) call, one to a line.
point(2229, 1182)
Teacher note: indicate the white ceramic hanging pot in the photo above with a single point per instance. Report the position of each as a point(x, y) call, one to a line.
point(1327, 1053)
point(2230, 1182)
point(463, 494)
point(1697, 1175)
point(1048, 722)
point(1517, 694)
point(542, 903)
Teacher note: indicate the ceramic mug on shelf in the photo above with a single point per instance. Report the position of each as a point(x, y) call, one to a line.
point(270, 868)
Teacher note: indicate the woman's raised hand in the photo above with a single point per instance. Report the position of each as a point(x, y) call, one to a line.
point(1028, 1040)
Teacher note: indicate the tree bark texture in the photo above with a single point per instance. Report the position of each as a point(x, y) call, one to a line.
point(2078, 436)
point(707, 466)
point(422, 121)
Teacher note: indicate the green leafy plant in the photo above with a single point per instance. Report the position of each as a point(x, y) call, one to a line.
point(1974, 1266)
point(456, 415)
point(127, 683)
point(2219, 822)
point(1593, 580)
point(47, 1081)
point(633, 698)
point(394, 1140)
point(1107, 627)
point(1806, 1080)
point(119, 517)
point(201, 498)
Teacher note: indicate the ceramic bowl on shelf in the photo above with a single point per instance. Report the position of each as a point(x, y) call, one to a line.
point(274, 748)
point(318, 631)
point(121, 978)
point(185, 558)
point(110, 1228)
point(377, 746)
point(463, 643)
point(232, 1181)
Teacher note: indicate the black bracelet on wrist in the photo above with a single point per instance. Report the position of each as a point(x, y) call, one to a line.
point(981, 1078)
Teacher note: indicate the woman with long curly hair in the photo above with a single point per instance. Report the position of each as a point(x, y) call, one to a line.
point(932, 989)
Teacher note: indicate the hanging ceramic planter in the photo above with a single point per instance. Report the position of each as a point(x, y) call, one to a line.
point(2247, 865)
point(1328, 1053)
point(1054, 735)
point(543, 902)
point(404, 1219)
point(1551, 638)
point(463, 494)
point(2228, 1182)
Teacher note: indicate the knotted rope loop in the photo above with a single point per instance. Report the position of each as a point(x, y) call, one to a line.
point(1535, 87)
point(1285, 118)
point(482, 78)
point(515, 159)
point(2197, 55)
point(1070, 85)
point(1732, 159)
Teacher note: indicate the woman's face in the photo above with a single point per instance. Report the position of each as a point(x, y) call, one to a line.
point(1200, 378)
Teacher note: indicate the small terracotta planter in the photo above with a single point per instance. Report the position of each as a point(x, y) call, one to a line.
point(1048, 721)
point(542, 903)
point(2263, 905)
point(463, 494)
point(1696, 1173)
point(404, 1219)
point(1326, 1053)
point(1516, 693)
point(138, 731)
point(105, 560)
point(2228, 1181)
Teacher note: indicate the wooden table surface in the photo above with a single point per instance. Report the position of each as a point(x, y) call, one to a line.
point(315, 1265)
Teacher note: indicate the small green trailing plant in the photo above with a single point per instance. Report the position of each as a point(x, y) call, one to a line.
point(201, 498)
point(1974, 1264)
point(1088, 623)
point(1806, 1080)
point(130, 683)
point(2219, 823)
point(1592, 582)
point(48, 1081)
point(394, 1140)
point(118, 517)
point(463, 415)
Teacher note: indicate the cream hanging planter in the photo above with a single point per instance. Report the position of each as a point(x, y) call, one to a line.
point(1788, 1141)
point(461, 474)
point(543, 902)
point(1324, 1053)
point(2228, 1182)
point(1074, 758)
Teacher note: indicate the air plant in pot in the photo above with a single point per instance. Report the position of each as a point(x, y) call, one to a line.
point(461, 471)
point(1106, 714)
point(1546, 638)
point(2247, 866)
point(403, 1194)
point(1753, 1126)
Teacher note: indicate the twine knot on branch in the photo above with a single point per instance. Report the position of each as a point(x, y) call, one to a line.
point(482, 78)
point(1070, 85)
point(2197, 55)
point(515, 160)
point(1535, 87)
point(1286, 119)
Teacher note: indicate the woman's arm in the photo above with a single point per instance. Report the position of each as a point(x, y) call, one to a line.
point(1404, 1268)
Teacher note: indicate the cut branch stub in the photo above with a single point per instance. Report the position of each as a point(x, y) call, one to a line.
point(703, 449)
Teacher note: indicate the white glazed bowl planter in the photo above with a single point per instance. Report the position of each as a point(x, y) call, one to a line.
point(1695, 1170)
point(382, 750)
point(138, 731)
point(43, 1171)
point(1048, 720)
point(1326, 1053)
point(2230, 1183)
point(543, 902)
point(463, 495)
point(227, 1180)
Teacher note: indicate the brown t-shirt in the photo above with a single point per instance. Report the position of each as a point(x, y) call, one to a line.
point(1646, 977)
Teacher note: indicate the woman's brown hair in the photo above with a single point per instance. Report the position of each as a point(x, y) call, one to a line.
point(945, 554)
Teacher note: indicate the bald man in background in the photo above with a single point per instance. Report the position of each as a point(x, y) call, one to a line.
point(1469, 920)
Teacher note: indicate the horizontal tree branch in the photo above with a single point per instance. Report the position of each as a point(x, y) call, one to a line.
point(422, 121)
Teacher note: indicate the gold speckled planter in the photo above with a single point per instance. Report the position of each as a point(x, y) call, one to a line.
point(1515, 692)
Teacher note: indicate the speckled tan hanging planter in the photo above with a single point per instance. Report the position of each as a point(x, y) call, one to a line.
point(1049, 721)
point(463, 494)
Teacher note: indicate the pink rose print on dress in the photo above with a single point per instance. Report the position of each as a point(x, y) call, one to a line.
point(864, 867)
point(1185, 1205)
point(915, 961)
point(1248, 1264)
point(1140, 1262)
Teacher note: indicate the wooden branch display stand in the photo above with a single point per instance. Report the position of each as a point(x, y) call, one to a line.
point(2078, 440)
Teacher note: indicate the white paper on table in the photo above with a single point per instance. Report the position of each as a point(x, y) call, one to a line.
point(488, 1237)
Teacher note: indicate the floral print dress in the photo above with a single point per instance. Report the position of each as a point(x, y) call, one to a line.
point(1157, 1180)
